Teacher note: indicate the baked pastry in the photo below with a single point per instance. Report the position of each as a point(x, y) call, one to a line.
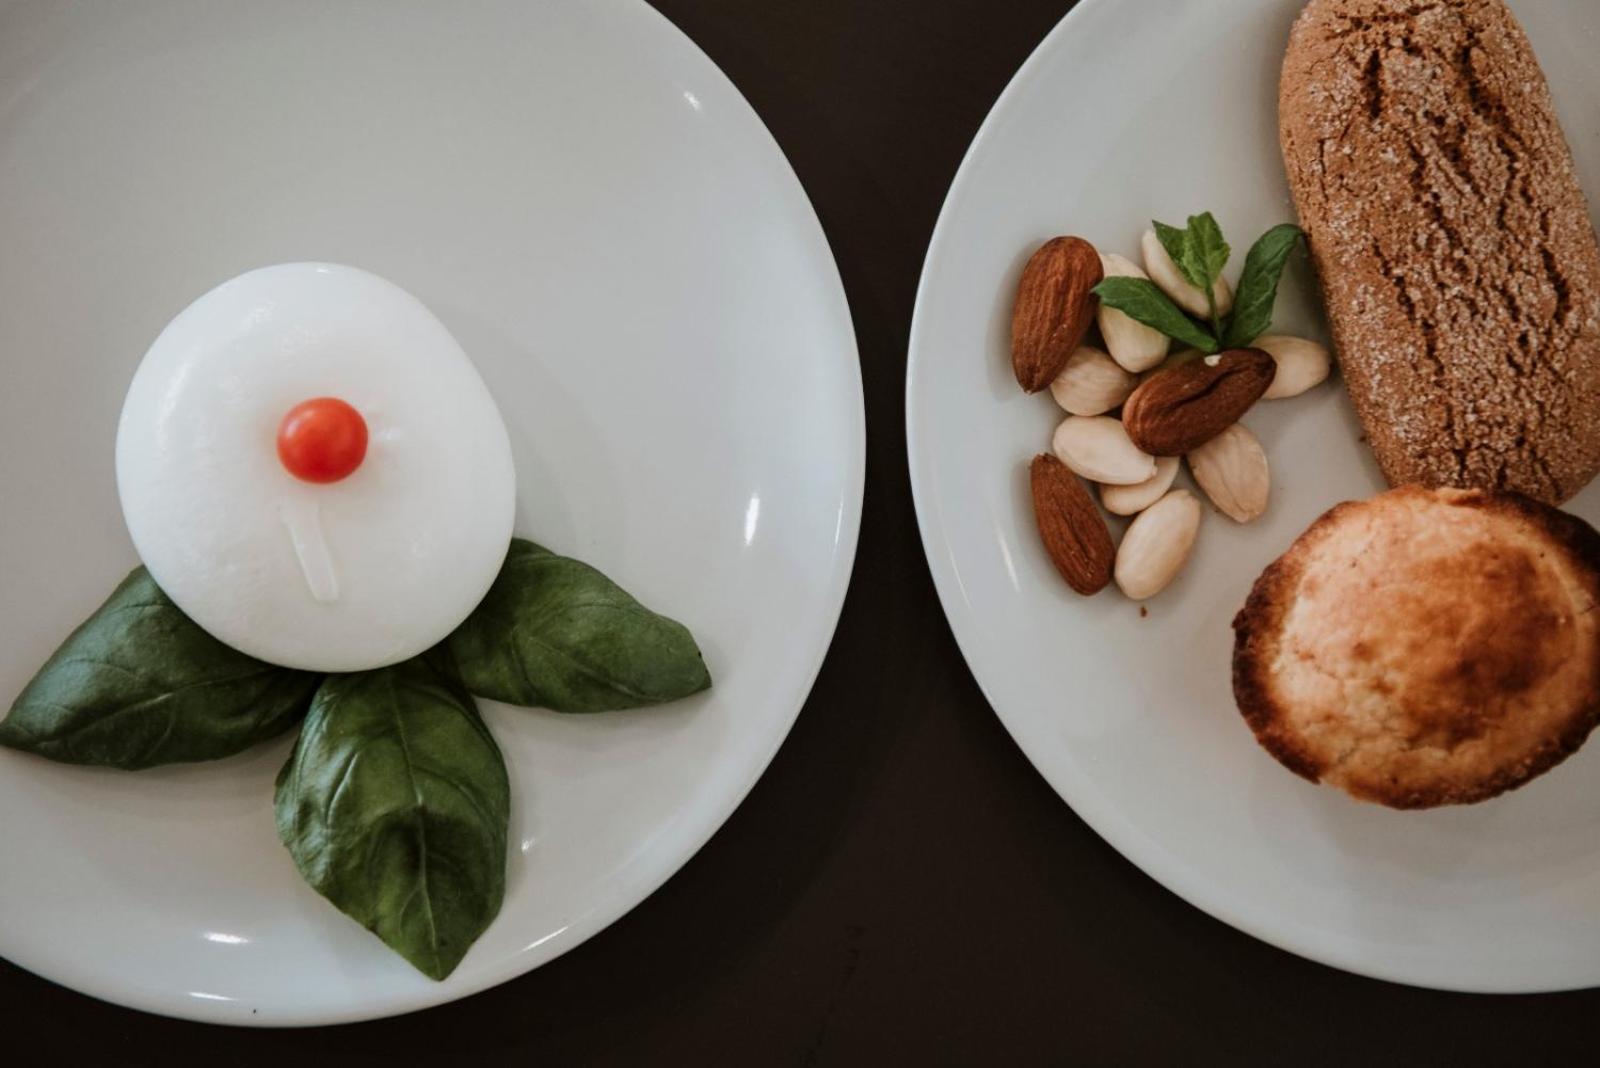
point(1453, 243)
point(1426, 647)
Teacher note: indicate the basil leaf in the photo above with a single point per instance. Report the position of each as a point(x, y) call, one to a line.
point(1142, 300)
point(141, 684)
point(395, 806)
point(1258, 285)
point(555, 633)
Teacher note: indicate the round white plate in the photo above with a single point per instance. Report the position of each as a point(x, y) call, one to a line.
point(610, 232)
point(1141, 109)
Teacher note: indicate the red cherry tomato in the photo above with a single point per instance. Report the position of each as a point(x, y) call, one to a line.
point(322, 440)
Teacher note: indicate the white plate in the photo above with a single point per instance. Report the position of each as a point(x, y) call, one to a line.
point(1141, 109)
point(610, 232)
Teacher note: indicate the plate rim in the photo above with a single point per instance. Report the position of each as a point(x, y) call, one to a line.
point(1124, 837)
point(608, 912)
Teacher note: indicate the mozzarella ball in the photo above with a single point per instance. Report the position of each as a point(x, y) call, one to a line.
point(313, 471)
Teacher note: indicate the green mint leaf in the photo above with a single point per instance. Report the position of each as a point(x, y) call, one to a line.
point(555, 633)
point(394, 807)
point(1258, 285)
point(141, 684)
point(1198, 250)
point(1142, 300)
point(1208, 250)
point(1211, 254)
point(1176, 242)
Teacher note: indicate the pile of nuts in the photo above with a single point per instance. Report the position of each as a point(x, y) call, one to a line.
point(1133, 411)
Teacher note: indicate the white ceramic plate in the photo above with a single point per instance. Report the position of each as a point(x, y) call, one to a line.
point(608, 229)
point(1141, 109)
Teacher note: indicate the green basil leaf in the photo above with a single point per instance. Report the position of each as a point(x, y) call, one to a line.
point(141, 684)
point(395, 807)
point(1142, 300)
point(1258, 285)
point(555, 633)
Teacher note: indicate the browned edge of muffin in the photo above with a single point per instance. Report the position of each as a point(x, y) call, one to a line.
point(1258, 628)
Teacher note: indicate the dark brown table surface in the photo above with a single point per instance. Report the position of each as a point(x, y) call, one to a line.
point(901, 887)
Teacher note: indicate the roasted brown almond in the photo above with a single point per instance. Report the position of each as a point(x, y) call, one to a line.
point(1054, 309)
point(1177, 411)
point(1074, 532)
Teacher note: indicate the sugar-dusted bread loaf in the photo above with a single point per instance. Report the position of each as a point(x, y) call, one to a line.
point(1454, 246)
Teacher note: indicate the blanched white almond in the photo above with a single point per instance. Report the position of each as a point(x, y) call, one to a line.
point(1184, 293)
point(1092, 383)
point(1135, 346)
point(1131, 500)
point(1232, 469)
point(1302, 364)
point(1157, 545)
point(1097, 448)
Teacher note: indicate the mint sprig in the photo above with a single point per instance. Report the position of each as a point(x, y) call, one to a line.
point(1258, 285)
point(1142, 299)
point(1201, 254)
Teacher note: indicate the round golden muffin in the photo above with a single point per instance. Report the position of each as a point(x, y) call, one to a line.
point(1426, 647)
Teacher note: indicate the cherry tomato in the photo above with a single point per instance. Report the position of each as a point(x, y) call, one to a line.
point(322, 440)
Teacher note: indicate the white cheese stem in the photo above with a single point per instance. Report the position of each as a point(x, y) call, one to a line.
point(303, 520)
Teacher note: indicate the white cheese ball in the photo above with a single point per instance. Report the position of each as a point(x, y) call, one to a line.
point(339, 576)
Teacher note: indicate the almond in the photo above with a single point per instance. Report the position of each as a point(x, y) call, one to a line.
point(1177, 359)
point(1232, 470)
point(1132, 344)
point(1074, 532)
point(1131, 500)
point(1158, 263)
point(1302, 365)
point(1177, 411)
point(1092, 383)
point(1098, 448)
point(1054, 309)
point(1157, 545)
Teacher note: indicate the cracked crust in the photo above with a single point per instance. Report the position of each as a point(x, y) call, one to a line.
point(1426, 647)
point(1457, 259)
